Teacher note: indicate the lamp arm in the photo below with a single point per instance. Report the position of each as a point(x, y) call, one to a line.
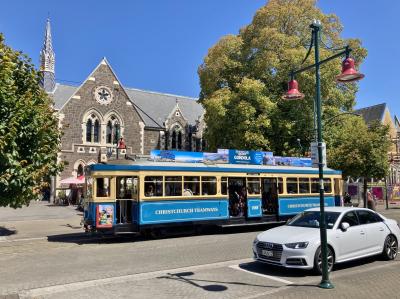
point(345, 52)
point(309, 50)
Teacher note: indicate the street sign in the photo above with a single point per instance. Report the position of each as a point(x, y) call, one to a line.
point(314, 154)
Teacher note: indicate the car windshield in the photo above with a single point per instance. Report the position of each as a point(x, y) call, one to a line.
point(311, 219)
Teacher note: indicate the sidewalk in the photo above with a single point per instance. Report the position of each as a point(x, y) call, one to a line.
point(38, 220)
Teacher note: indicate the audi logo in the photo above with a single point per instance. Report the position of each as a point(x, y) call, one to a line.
point(269, 245)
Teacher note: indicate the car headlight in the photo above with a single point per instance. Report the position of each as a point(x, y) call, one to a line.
point(297, 245)
point(256, 240)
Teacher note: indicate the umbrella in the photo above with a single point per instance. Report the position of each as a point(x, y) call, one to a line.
point(73, 180)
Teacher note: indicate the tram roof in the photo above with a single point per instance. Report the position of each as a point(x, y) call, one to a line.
point(140, 165)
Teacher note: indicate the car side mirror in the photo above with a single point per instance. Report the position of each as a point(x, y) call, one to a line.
point(344, 226)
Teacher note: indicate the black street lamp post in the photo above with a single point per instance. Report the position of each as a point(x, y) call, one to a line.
point(348, 74)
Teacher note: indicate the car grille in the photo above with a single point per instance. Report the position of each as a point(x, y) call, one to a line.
point(275, 248)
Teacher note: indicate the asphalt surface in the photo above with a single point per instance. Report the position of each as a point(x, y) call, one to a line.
point(44, 254)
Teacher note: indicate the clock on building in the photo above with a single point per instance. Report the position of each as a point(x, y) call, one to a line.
point(103, 95)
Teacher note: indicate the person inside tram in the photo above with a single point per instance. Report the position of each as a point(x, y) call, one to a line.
point(242, 202)
point(267, 201)
point(150, 191)
point(187, 192)
point(233, 200)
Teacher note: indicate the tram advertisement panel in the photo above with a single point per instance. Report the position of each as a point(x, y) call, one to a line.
point(105, 215)
point(292, 206)
point(180, 211)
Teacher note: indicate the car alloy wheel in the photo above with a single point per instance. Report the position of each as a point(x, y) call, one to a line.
point(390, 248)
point(318, 260)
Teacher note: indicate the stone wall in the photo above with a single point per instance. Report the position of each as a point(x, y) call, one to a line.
point(82, 103)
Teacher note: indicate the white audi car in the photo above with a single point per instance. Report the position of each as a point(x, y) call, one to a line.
point(352, 233)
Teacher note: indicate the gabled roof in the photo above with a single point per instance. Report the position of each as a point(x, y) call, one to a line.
point(160, 105)
point(62, 93)
point(372, 113)
point(153, 107)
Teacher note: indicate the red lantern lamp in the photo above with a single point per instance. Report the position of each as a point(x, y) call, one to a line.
point(349, 73)
point(293, 92)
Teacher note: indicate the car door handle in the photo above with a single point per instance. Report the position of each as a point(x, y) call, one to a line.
point(381, 229)
point(362, 233)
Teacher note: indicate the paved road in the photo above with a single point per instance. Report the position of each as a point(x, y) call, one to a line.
point(194, 266)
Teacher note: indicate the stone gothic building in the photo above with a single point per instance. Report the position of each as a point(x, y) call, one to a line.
point(94, 115)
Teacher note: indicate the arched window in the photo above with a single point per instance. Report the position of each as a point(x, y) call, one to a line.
point(93, 128)
point(96, 130)
point(116, 133)
point(80, 170)
point(109, 132)
point(89, 125)
point(113, 130)
point(180, 140)
point(173, 146)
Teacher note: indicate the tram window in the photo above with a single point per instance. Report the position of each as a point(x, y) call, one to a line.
point(103, 187)
point(304, 185)
point(173, 186)
point(153, 186)
point(253, 185)
point(191, 185)
point(127, 187)
point(224, 185)
point(314, 185)
point(291, 185)
point(88, 187)
point(327, 185)
point(208, 185)
point(280, 185)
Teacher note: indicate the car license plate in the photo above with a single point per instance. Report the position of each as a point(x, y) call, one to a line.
point(267, 252)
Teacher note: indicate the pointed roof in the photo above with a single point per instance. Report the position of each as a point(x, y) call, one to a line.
point(48, 45)
point(372, 113)
point(47, 56)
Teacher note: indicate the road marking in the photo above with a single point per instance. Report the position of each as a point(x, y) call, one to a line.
point(236, 267)
point(74, 286)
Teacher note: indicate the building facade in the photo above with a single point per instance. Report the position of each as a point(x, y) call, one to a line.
point(96, 114)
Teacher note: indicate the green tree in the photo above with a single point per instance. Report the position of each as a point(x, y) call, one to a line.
point(258, 61)
point(359, 150)
point(29, 135)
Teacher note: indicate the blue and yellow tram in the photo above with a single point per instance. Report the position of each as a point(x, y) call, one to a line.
point(133, 196)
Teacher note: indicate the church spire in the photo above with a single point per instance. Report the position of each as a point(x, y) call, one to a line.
point(47, 61)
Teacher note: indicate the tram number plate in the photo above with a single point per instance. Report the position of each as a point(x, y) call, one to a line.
point(267, 252)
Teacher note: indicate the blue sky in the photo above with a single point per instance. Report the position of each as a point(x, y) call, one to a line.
point(158, 44)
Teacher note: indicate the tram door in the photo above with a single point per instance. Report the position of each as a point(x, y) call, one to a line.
point(127, 190)
point(237, 196)
point(269, 189)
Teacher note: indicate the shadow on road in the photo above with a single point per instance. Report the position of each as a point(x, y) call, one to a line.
point(272, 270)
point(82, 238)
point(211, 286)
point(4, 232)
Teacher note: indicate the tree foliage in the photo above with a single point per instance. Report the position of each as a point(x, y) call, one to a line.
point(260, 59)
point(359, 150)
point(244, 76)
point(29, 135)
